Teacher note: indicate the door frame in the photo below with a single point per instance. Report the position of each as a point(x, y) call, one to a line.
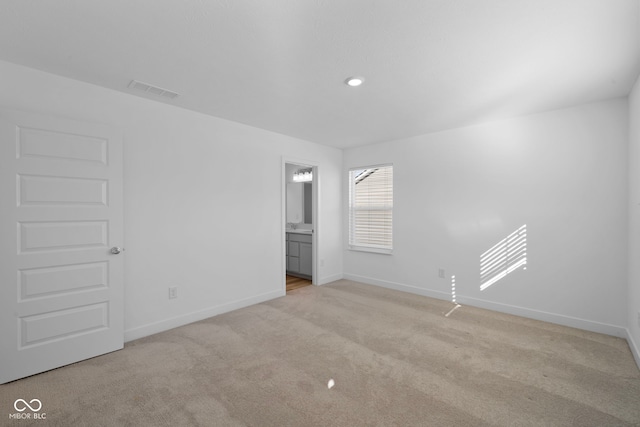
point(315, 217)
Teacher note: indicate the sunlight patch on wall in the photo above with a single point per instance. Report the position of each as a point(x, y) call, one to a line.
point(453, 289)
point(503, 258)
point(453, 297)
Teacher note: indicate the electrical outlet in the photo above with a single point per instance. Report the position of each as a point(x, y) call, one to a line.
point(441, 273)
point(173, 292)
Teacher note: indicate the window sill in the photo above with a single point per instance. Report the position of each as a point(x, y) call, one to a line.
point(382, 251)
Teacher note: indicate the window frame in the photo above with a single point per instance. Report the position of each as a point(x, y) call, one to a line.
point(387, 250)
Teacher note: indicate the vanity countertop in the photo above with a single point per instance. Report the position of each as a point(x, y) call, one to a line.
point(298, 231)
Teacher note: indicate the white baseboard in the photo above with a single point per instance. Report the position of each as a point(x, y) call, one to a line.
point(559, 319)
point(329, 279)
point(398, 286)
point(174, 322)
point(635, 350)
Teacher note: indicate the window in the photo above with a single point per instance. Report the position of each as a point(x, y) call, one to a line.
point(371, 209)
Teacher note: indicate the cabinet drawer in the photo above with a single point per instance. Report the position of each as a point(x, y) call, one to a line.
point(303, 238)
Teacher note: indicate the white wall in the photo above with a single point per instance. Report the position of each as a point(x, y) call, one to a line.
point(190, 223)
point(634, 222)
point(457, 193)
point(192, 220)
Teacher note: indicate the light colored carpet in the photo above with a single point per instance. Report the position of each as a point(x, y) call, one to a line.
point(395, 358)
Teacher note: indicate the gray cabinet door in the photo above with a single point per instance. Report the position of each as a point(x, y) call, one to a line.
point(299, 254)
point(294, 264)
point(294, 248)
point(305, 258)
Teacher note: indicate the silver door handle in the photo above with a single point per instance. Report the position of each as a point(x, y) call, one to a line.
point(116, 250)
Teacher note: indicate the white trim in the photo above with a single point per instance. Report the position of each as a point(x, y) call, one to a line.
point(559, 319)
point(399, 287)
point(329, 279)
point(185, 319)
point(635, 350)
point(379, 165)
point(358, 248)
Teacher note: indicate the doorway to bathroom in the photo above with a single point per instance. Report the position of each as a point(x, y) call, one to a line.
point(300, 191)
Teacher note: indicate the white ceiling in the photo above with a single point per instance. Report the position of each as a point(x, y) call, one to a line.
point(280, 65)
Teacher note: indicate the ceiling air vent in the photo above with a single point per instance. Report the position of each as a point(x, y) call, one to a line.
point(146, 87)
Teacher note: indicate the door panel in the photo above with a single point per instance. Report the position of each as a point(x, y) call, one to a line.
point(42, 282)
point(61, 212)
point(50, 190)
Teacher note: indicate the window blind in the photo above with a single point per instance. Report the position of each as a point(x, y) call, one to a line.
point(371, 208)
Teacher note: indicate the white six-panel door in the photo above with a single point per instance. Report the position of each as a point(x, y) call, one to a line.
point(61, 287)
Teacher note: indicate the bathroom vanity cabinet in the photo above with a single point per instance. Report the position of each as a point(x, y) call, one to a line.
point(299, 254)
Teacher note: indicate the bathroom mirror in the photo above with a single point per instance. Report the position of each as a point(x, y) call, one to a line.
point(299, 202)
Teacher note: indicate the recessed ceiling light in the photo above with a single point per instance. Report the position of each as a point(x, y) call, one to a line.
point(354, 81)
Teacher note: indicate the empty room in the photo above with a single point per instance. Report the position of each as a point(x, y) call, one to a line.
point(320, 213)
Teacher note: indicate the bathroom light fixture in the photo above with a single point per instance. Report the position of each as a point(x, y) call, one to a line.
point(303, 175)
point(354, 81)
